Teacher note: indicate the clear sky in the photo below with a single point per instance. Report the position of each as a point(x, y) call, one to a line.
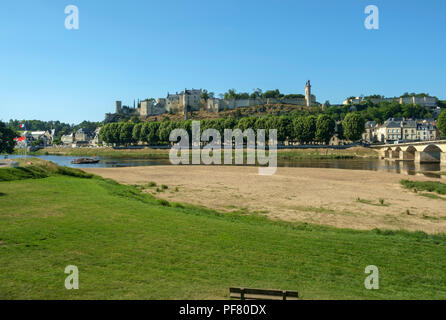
point(125, 50)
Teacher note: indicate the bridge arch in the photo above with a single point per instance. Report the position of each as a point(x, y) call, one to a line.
point(411, 149)
point(387, 152)
point(433, 148)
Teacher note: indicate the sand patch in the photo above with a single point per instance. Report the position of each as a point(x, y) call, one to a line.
point(341, 198)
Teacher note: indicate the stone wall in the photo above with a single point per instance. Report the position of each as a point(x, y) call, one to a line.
point(216, 105)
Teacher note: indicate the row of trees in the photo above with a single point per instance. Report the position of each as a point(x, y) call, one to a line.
point(39, 125)
point(380, 112)
point(258, 93)
point(304, 129)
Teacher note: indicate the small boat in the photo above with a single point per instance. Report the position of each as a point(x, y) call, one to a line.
point(84, 161)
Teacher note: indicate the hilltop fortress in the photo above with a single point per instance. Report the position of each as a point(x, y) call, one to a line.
point(192, 100)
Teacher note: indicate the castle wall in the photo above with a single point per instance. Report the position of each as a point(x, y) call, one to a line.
point(296, 101)
point(216, 105)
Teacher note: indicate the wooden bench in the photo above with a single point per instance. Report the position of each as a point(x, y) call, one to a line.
point(261, 294)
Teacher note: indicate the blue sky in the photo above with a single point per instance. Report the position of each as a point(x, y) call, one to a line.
point(132, 49)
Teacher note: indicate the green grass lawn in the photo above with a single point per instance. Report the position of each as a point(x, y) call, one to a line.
point(129, 245)
point(431, 186)
point(149, 153)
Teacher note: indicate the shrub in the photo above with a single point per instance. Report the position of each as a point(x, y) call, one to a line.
point(151, 184)
point(163, 202)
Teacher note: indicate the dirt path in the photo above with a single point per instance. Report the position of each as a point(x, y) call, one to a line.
point(322, 196)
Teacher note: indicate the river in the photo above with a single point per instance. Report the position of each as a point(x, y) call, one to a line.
point(408, 168)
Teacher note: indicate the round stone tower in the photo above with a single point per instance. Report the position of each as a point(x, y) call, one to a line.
point(308, 93)
point(118, 106)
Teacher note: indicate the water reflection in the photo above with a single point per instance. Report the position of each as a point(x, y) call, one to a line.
point(402, 167)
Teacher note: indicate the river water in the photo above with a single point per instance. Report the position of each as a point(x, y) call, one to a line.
point(408, 168)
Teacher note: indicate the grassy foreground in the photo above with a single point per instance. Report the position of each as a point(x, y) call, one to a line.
point(127, 244)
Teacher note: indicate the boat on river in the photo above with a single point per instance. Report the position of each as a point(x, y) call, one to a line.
point(84, 161)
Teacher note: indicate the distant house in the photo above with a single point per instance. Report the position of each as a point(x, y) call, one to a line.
point(67, 139)
point(427, 131)
point(46, 137)
point(96, 139)
point(83, 135)
point(370, 132)
point(393, 129)
point(356, 100)
point(409, 130)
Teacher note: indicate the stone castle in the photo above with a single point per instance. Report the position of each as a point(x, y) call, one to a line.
point(192, 100)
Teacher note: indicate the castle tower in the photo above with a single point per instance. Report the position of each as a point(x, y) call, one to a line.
point(118, 106)
point(185, 103)
point(308, 93)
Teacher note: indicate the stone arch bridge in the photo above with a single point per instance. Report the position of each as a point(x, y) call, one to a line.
point(420, 152)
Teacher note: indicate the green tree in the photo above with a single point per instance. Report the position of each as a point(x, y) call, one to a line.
point(325, 127)
point(256, 94)
point(152, 134)
point(125, 133)
point(305, 128)
point(353, 125)
point(164, 131)
point(229, 123)
point(135, 119)
point(136, 133)
point(441, 123)
point(247, 123)
point(7, 136)
point(144, 132)
point(205, 95)
point(231, 94)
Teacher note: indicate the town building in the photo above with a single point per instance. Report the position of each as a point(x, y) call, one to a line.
point(96, 141)
point(67, 139)
point(427, 131)
point(425, 102)
point(399, 129)
point(44, 137)
point(370, 131)
point(83, 135)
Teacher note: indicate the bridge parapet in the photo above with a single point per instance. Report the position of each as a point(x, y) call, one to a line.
point(420, 152)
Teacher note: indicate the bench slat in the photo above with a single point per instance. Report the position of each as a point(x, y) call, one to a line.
point(245, 293)
point(237, 296)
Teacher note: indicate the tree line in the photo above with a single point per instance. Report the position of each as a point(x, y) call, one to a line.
point(259, 94)
point(305, 129)
point(379, 112)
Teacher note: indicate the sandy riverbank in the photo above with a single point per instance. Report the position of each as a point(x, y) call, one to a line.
point(322, 196)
